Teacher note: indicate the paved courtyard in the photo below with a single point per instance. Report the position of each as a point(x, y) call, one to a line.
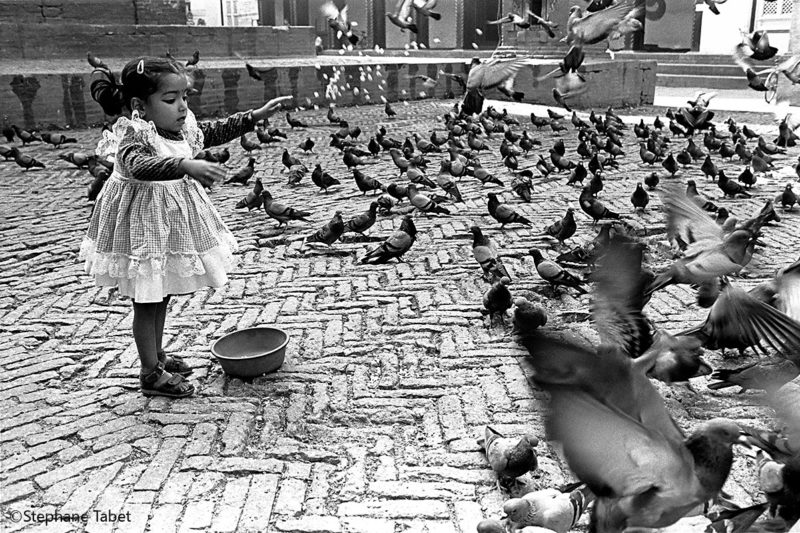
point(391, 372)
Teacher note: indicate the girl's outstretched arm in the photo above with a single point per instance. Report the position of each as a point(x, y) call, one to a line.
point(236, 125)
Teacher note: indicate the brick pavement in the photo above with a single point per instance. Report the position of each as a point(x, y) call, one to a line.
point(390, 376)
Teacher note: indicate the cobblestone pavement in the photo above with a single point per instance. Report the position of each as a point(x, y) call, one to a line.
point(391, 372)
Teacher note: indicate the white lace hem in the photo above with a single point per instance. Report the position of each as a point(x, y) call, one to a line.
point(184, 265)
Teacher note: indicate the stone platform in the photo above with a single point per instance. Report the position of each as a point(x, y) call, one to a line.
point(40, 93)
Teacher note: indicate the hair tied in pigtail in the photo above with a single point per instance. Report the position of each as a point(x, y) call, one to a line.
point(140, 67)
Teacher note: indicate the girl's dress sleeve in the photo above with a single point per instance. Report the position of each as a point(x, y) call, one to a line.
point(223, 131)
point(138, 159)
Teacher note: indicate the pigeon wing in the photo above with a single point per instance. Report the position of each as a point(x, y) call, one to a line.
point(683, 213)
point(404, 9)
point(758, 321)
point(618, 299)
point(596, 26)
point(789, 290)
point(329, 10)
point(493, 73)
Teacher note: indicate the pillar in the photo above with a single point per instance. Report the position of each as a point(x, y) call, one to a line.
point(787, 91)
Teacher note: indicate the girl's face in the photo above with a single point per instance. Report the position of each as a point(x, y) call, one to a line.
point(166, 107)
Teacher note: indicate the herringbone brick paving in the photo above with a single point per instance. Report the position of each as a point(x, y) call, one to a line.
point(391, 372)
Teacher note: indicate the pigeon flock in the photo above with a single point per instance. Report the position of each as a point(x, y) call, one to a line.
point(634, 466)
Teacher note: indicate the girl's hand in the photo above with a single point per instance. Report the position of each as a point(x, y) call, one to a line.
point(271, 107)
point(203, 171)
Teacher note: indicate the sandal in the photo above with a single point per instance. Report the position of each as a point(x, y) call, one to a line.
point(159, 382)
point(173, 364)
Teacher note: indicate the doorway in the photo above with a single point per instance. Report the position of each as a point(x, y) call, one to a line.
point(476, 14)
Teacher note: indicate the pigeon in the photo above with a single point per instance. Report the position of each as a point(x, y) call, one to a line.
point(365, 183)
point(510, 458)
point(25, 136)
point(599, 400)
point(351, 160)
point(652, 180)
point(307, 145)
point(527, 317)
point(503, 213)
point(248, 145)
point(395, 246)
point(399, 161)
point(363, 221)
point(25, 161)
point(448, 186)
point(79, 159)
point(330, 232)
point(577, 174)
point(646, 155)
point(747, 177)
point(290, 161)
point(401, 17)
point(738, 320)
point(555, 274)
point(322, 179)
point(709, 169)
point(390, 112)
point(640, 198)
point(423, 203)
point(594, 207)
point(563, 229)
point(553, 509)
point(522, 187)
point(97, 184)
point(418, 177)
point(295, 175)
point(283, 214)
point(700, 200)
point(607, 24)
point(761, 375)
point(8, 133)
point(787, 199)
point(194, 59)
point(484, 176)
point(512, 18)
point(338, 21)
point(497, 300)
point(711, 255)
point(214, 156)
point(493, 73)
point(294, 122)
point(712, 5)
point(486, 255)
point(253, 198)
point(57, 139)
point(729, 187)
point(257, 73)
point(424, 7)
point(242, 175)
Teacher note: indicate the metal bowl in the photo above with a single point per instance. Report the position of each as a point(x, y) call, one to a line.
point(250, 352)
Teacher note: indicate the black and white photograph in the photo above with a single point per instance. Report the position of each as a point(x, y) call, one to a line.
point(400, 266)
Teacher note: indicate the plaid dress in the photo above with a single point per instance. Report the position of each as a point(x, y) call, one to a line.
point(154, 232)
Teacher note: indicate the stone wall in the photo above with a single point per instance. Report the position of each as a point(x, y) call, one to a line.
point(94, 11)
point(71, 41)
point(63, 99)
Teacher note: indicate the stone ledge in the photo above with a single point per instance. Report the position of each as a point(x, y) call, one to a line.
point(64, 99)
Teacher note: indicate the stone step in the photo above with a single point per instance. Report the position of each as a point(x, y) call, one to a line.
point(710, 70)
point(706, 82)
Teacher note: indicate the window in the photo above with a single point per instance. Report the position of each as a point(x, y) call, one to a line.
point(777, 8)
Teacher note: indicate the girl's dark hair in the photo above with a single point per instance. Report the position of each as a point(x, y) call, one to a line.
point(136, 81)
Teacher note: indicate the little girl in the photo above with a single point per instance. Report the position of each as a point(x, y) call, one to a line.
point(153, 231)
